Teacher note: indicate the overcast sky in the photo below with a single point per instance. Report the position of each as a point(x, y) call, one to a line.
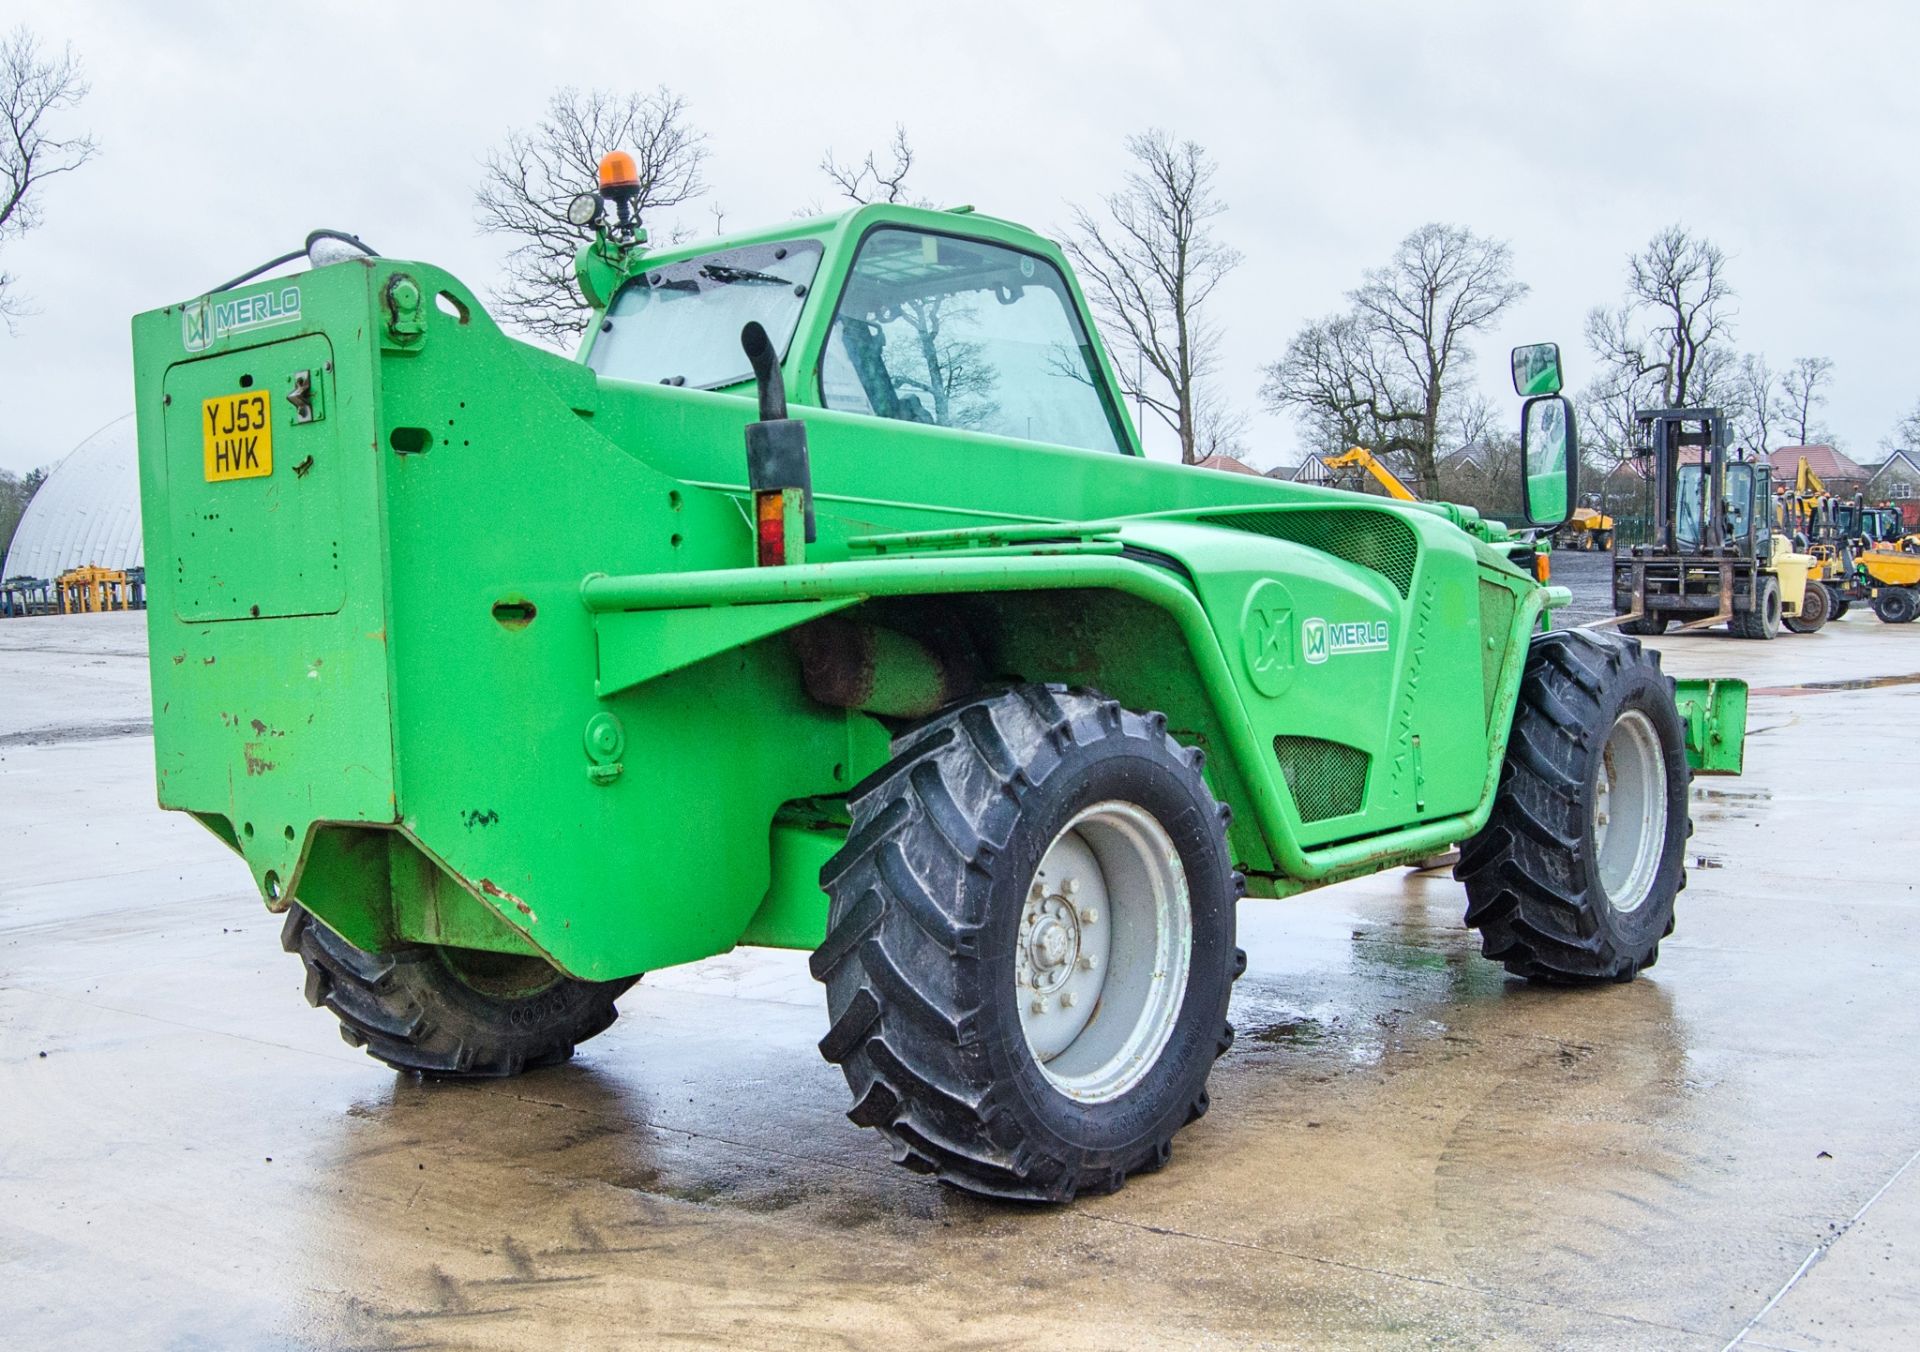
point(1783, 132)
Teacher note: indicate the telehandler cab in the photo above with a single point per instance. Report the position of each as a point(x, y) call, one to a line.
point(512, 677)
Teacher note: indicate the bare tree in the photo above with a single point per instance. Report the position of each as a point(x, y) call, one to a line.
point(1682, 280)
point(1665, 345)
point(1387, 375)
point(1445, 284)
point(1222, 430)
point(1802, 390)
point(529, 178)
point(1332, 378)
point(1755, 390)
point(1148, 271)
point(1906, 433)
point(868, 180)
point(36, 87)
point(1666, 341)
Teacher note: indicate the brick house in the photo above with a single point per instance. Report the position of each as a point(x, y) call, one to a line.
point(1895, 482)
point(1842, 476)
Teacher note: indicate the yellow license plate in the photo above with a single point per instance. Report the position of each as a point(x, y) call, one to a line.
point(236, 434)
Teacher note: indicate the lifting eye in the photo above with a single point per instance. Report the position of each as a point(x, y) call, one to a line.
point(409, 440)
point(513, 613)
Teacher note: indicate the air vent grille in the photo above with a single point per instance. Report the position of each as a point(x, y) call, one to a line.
point(1327, 779)
point(1376, 540)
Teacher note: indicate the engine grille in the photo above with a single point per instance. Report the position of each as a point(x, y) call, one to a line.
point(1376, 540)
point(1327, 779)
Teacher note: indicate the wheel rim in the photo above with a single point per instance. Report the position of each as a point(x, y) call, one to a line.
point(1630, 811)
point(1100, 964)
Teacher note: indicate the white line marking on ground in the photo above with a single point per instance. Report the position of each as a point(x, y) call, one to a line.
point(1819, 1252)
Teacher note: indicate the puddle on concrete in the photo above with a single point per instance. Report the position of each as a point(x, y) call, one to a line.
point(79, 732)
point(1732, 795)
point(1301, 1032)
point(1822, 687)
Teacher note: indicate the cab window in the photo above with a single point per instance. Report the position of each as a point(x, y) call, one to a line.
point(679, 323)
point(959, 333)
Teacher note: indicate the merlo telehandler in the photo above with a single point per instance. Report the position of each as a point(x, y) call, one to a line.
point(827, 601)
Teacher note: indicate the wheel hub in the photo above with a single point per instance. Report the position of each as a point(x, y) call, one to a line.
point(1630, 811)
point(1101, 957)
point(1050, 946)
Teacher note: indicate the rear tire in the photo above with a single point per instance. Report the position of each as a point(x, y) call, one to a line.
point(1647, 626)
point(1574, 877)
point(1838, 605)
point(446, 1012)
point(953, 917)
point(1815, 610)
point(1763, 620)
point(1896, 605)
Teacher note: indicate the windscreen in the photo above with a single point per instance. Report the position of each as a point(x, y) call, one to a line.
point(679, 323)
point(1690, 504)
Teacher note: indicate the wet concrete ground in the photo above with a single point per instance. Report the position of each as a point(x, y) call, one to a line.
point(1405, 1149)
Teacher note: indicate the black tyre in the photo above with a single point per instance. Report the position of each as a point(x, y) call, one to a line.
point(1815, 610)
point(1763, 620)
point(1647, 626)
point(450, 1012)
point(1896, 605)
point(1837, 602)
point(1015, 849)
point(1574, 877)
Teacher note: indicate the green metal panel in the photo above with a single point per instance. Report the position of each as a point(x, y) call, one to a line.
point(219, 570)
point(636, 646)
point(265, 725)
point(1715, 713)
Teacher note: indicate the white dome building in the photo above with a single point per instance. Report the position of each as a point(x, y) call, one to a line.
point(87, 512)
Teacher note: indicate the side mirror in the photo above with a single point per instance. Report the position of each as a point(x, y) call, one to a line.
point(1549, 460)
point(1536, 369)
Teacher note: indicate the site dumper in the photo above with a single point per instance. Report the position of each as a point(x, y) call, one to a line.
point(827, 602)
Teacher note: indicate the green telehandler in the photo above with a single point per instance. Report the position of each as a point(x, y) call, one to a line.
point(827, 601)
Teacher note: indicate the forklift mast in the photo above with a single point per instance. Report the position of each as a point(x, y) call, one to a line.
point(1668, 434)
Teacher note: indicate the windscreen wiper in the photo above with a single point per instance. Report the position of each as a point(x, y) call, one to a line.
point(720, 272)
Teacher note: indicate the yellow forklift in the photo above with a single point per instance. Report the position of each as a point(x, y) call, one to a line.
point(1713, 556)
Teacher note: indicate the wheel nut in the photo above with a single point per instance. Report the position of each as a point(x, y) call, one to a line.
point(1086, 964)
point(1088, 915)
point(1066, 999)
point(1070, 886)
point(1038, 1006)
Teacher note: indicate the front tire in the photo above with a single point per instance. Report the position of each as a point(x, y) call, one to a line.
point(445, 1012)
point(1896, 605)
point(1763, 620)
point(1030, 946)
point(1574, 877)
point(1815, 610)
point(1838, 603)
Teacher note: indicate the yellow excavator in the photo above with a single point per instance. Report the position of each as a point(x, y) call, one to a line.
point(1858, 551)
point(1585, 529)
point(1362, 459)
point(1797, 510)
